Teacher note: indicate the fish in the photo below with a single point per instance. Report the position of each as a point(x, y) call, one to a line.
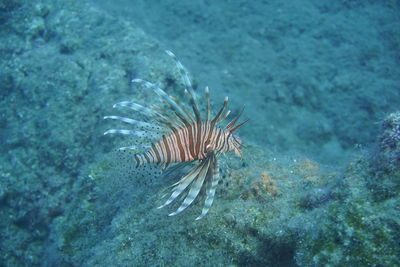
point(182, 135)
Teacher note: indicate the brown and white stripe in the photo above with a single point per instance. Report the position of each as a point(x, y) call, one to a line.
point(186, 137)
point(186, 144)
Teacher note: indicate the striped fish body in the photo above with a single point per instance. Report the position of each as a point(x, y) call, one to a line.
point(187, 144)
point(185, 137)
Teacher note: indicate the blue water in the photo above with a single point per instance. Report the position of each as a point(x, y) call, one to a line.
point(315, 76)
point(319, 181)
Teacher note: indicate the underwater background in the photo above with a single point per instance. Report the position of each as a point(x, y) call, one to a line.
point(319, 181)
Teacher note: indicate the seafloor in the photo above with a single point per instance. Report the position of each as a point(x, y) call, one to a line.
point(319, 181)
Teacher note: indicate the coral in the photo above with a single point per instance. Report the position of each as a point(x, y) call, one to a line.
point(267, 184)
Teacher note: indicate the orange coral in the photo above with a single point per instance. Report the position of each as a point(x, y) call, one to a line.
point(265, 184)
point(269, 184)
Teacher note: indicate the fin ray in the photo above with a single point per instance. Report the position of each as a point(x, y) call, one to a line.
point(135, 122)
point(195, 188)
point(182, 185)
point(211, 191)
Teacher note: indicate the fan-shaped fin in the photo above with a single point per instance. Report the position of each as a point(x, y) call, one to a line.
point(182, 185)
point(211, 191)
point(135, 123)
point(189, 89)
point(137, 107)
point(161, 93)
point(130, 132)
point(195, 188)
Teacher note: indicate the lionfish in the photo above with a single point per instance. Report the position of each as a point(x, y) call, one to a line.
point(185, 137)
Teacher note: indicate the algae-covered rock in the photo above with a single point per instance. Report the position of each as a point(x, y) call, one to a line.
point(265, 206)
point(358, 230)
point(389, 143)
point(270, 210)
point(384, 176)
point(58, 78)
